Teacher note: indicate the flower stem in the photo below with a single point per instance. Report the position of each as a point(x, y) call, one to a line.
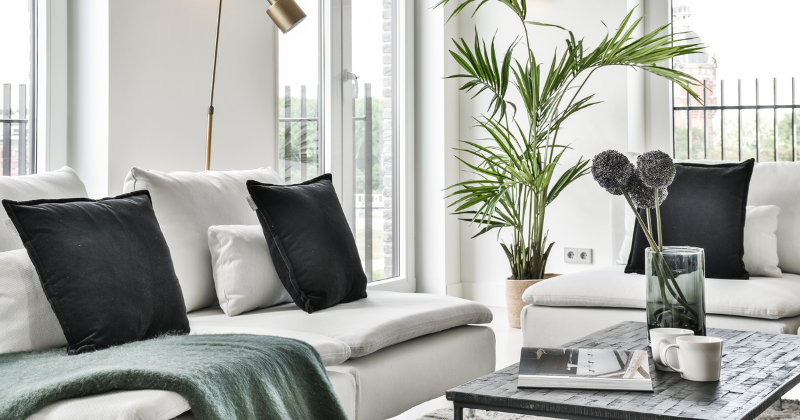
point(658, 223)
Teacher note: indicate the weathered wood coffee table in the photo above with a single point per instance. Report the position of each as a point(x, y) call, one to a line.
point(757, 369)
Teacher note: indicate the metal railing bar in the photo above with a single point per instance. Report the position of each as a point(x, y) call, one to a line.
point(722, 118)
point(705, 119)
point(674, 139)
point(775, 118)
point(303, 135)
point(13, 121)
point(688, 126)
point(6, 129)
point(758, 128)
point(368, 179)
point(287, 134)
point(794, 127)
point(22, 142)
point(739, 92)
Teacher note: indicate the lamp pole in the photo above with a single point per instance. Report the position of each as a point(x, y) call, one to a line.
point(286, 14)
point(211, 101)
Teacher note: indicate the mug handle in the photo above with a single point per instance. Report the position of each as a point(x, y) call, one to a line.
point(664, 357)
point(660, 343)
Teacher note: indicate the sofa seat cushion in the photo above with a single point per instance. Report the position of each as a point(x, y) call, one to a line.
point(148, 404)
point(759, 297)
point(366, 325)
point(333, 351)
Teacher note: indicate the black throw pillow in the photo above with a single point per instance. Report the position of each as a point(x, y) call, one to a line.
point(105, 268)
point(310, 241)
point(705, 208)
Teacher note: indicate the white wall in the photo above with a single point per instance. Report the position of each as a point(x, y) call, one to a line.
point(436, 121)
point(148, 64)
point(581, 216)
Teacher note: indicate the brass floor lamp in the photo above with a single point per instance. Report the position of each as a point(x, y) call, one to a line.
point(286, 14)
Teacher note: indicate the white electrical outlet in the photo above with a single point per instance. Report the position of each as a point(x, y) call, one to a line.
point(578, 255)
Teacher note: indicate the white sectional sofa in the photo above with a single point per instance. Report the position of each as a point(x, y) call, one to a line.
point(571, 306)
point(384, 354)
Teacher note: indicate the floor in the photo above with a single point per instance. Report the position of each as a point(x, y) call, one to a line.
point(509, 343)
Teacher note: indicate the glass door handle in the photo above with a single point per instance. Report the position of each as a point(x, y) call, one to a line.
point(350, 76)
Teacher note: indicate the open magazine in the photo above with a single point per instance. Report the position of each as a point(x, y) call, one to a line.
point(605, 369)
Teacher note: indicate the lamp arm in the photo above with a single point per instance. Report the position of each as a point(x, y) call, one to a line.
point(211, 101)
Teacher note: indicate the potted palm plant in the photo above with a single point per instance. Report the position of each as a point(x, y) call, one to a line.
point(518, 168)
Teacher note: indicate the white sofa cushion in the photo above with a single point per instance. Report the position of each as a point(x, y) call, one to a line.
point(61, 183)
point(366, 325)
point(27, 322)
point(186, 205)
point(118, 405)
point(244, 275)
point(759, 297)
point(761, 241)
point(332, 351)
point(778, 184)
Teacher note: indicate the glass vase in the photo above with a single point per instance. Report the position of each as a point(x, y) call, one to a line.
point(676, 288)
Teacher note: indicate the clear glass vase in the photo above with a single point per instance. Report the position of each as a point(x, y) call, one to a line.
point(676, 288)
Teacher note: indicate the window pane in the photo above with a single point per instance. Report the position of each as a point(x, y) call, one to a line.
point(15, 78)
point(373, 55)
point(299, 145)
point(740, 70)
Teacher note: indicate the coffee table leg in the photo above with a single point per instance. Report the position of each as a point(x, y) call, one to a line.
point(458, 412)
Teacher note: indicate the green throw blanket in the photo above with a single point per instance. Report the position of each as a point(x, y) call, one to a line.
point(225, 377)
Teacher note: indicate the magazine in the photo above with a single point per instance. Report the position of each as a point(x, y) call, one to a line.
point(605, 369)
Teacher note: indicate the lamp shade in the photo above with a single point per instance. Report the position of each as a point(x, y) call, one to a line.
point(286, 14)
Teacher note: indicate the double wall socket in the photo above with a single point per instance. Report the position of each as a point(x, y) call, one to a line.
point(578, 255)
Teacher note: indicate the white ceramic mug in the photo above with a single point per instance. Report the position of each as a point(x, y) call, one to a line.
point(700, 358)
point(661, 337)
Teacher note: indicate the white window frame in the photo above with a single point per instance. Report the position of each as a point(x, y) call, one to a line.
point(51, 85)
point(337, 110)
point(658, 92)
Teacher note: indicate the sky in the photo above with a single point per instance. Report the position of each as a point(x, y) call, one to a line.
point(750, 39)
point(15, 33)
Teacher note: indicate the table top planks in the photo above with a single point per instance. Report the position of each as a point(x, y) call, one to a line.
point(757, 369)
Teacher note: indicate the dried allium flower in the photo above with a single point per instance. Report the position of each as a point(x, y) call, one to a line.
point(643, 197)
point(611, 169)
point(656, 169)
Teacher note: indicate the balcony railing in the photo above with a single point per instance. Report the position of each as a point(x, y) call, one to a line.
point(14, 147)
point(760, 138)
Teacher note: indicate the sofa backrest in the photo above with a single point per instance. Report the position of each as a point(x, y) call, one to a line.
point(186, 205)
point(773, 183)
point(778, 184)
point(61, 183)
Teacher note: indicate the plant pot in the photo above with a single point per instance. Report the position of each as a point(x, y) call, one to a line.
point(514, 302)
point(676, 288)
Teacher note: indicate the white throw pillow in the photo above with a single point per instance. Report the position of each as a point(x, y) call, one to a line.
point(244, 275)
point(761, 241)
point(186, 205)
point(627, 241)
point(61, 183)
point(27, 322)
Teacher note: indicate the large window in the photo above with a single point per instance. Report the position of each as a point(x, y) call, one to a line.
point(17, 78)
point(344, 57)
point(748, 70)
